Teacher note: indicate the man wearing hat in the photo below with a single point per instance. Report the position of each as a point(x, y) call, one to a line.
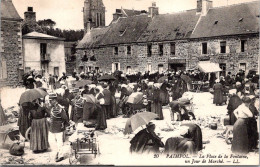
point(58, 123)
point(146, 141)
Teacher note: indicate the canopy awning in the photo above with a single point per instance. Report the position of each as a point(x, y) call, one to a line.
point(208, 67)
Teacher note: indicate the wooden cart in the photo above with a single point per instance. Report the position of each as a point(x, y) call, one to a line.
point(87, 145)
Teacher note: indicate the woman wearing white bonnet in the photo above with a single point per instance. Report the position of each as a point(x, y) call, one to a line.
point(218, 93)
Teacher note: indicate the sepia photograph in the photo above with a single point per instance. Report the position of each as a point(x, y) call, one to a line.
point(129, 82)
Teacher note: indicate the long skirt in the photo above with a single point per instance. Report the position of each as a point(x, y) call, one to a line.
point(88, 110)
point(156, 108)
point(113, 107)
point(39, 135)
point(101, 118)
point(218, 97)
point(253, 135)
point(24, 122)
point(180, 146)
point(240, 137)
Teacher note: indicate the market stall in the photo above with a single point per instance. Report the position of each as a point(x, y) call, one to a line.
point(207, 67)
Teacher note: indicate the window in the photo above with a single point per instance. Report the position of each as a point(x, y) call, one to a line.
point(43, 50)
point(223, 68)
point(204, 48)
point(243, 45)
point(242, 66)
point(160, 68)
point(128, 70)
point(128, 49)
point(173, 48)
point(115, 67)
point(100, 19)
point(149, 67)
point(223, 47)
point(97, 20)
point(161, 50)
point(115, 50)
point(97, 69)
point(3, 68)
point(149, 50)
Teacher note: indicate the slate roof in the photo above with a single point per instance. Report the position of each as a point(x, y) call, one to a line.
point(167, 27)
point(126, 30)
point(8, 11)
point(230, 20)
point(37, 35)
point(91, 39)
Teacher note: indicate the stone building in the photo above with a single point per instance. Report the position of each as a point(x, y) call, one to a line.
point(10, 45)
point(43, 53)
point(153, 42)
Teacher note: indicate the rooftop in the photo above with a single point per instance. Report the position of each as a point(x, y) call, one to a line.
point(37, 35)
point(229, 20)
point(8, 11)
point(170, 26)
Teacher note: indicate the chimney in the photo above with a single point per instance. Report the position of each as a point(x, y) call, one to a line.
point(153, 10)
point(30, 18)
point(29, 15)
point(117, 14)
point(203, 6)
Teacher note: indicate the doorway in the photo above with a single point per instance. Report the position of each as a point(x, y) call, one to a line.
point(177, 67)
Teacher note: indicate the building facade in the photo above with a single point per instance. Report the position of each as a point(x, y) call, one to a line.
point(159, 42)
point(43, 53)
point(10, 45)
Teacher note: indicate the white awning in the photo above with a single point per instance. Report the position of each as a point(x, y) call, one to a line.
point(208, 67)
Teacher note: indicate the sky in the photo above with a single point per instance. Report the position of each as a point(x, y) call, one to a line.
point(68, 13)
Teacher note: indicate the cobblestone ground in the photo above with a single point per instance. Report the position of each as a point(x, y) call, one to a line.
point(114, 145)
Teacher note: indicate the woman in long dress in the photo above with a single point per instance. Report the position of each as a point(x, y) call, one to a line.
point(39, 129)
point(240, 143)
point(156, 106)
point(218, 93)
point(24, 122)
point(101, 112)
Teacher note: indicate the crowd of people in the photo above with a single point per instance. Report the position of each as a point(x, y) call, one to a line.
point(51, 115)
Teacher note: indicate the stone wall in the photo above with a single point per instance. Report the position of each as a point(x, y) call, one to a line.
point(11, 50)
point(189, 51)
point(233, 56)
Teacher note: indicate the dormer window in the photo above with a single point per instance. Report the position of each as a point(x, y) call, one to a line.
point(122, 32)
point(216, 22)
point(241, 19)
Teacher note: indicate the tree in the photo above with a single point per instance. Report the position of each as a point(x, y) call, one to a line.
point(46, 23)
